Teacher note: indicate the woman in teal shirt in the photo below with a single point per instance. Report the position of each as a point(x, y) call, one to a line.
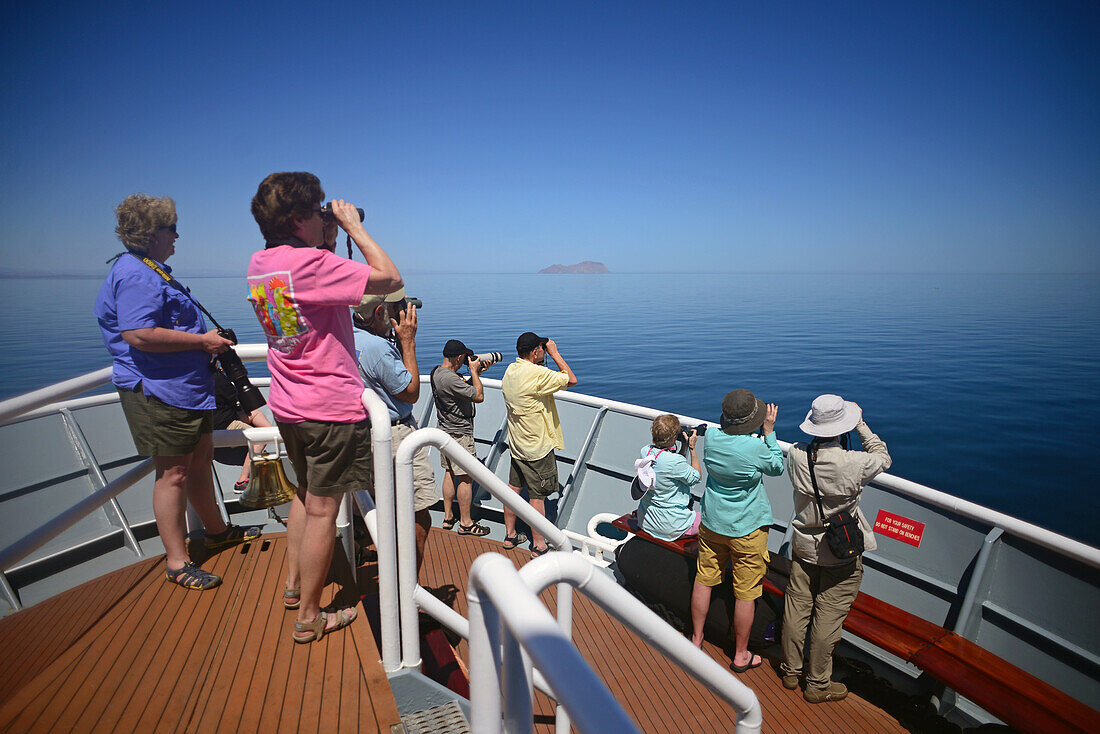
point(663, 511)
point(736, 515)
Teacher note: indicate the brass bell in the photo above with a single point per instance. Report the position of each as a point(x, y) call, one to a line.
point(268, 485)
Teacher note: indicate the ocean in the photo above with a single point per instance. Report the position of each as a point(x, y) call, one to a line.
point(983, 386)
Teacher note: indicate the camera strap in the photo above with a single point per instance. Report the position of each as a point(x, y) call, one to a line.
point(175, 284)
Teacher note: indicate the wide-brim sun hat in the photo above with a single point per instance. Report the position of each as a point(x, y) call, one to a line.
point(831, 415)
point(742, 412)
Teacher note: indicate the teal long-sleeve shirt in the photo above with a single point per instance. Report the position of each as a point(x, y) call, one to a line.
point(734, 501)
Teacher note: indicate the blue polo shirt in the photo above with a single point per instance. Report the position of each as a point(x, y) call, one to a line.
point(734, 501)
point(135, 297)
point(383, 371)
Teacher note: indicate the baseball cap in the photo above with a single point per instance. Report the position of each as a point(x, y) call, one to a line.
point(528, 340)
point(454, 348)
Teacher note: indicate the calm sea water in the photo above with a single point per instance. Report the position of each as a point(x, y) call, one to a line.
point(984, 386)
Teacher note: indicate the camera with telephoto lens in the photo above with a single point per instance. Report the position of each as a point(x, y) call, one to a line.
point(247, 395)
point(488, 359)
point(328, 216)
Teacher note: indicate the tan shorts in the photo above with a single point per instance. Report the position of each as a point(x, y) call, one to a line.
point(539, 476)
point(425, 492)
point(466, 442)
point(329, 458)
point(160, 429)
point(748, 553)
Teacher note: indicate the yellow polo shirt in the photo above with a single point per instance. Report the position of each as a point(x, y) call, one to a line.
point(533, 426)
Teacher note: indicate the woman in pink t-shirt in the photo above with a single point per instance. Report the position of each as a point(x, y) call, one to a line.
point(301, 292)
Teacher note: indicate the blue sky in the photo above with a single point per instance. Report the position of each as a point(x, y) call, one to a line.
point(691, 137)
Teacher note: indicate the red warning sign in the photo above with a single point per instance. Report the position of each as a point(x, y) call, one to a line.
point(898, 527)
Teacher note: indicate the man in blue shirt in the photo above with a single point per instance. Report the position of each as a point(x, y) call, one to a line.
point(385, 344)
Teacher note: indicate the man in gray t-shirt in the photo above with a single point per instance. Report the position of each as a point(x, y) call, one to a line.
point(454, 406)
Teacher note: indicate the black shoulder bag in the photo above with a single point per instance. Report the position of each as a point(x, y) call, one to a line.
point(842, 531)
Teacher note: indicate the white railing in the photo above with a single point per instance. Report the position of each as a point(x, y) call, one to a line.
point(385, 532)
point(21, 407)
point(510, 629)
point(406, 540)
point(1014, 526)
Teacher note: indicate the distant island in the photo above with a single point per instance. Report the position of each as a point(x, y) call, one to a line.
point(588, 266)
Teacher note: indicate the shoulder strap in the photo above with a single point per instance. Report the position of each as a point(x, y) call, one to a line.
point(811, 452)
point(152, 264)
point(452, 408)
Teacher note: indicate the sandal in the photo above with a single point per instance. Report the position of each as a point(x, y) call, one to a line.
point(317, 629)
point(232, 535)
point(449, 524)
point(292, 598)
point(241, 486)
point(474, 528)
point(536, 552)
point(514, 541)
point(190, 576)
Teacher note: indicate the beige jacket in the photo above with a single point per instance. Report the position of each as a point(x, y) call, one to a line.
point(840, 478)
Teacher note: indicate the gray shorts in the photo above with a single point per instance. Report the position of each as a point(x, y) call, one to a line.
point(539, 476)
point(329, 458)
point(466, 442)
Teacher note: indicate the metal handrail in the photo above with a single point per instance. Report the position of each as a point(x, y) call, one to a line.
point(558, 568)
point(406, 542)
point(384, 533)
point(1062, 544)
point(43, 534)
point(20, 406)
point(507, 616)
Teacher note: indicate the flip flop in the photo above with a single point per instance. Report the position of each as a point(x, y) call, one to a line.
point(755, 662)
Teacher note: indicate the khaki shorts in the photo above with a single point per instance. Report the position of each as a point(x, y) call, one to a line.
point(466, 442)
point(539, 476)
point(425, 493)
point(750, 561)
point(329, 458)
point(160, 429)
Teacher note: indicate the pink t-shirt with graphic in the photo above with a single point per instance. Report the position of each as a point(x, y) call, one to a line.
point(301, 296)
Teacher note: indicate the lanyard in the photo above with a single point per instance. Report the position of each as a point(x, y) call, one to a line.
point(175, 284)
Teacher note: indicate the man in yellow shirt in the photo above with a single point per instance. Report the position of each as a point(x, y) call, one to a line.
point(533, 428)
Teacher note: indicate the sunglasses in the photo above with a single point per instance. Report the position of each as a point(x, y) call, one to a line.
point(168, 226)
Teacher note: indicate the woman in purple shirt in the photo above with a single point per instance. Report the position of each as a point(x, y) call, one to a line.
point(162, 352)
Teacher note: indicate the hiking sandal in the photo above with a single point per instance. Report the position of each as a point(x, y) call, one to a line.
point(315, 630)
point(292, 598)
point(474, 528)
point(232, 535)
point(190, 576)
point(449, 524)
point(514, 541)
point(536, 552)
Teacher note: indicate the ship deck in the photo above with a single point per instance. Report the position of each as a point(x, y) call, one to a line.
point(129, 652)
point(657, 694)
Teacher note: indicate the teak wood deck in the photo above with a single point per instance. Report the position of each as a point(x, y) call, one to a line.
point(655, 692)
point(129, 652)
